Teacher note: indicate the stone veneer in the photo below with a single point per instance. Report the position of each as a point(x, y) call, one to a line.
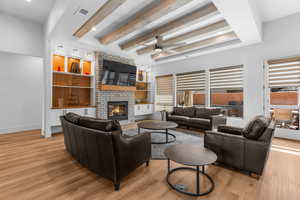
point(102, 97)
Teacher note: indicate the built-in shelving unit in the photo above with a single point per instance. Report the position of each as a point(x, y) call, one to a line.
point(143, 105)
point(72, 86)
point(142, 92)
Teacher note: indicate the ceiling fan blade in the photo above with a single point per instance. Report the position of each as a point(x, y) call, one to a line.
point(171, 51)
point(174, 45)
point(146, 49)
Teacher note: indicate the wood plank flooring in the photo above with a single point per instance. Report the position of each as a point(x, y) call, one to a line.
point(32, 167)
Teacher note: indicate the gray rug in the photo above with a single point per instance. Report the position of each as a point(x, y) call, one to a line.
point(182, 137)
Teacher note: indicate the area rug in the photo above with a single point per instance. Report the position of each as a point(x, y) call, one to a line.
point(182, 137)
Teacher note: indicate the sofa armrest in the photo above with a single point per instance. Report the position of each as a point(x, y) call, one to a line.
point(217, 120)
point(256, 155)
point(229, 148)
point(133, 151)
point(168, 114)
point(230, 129)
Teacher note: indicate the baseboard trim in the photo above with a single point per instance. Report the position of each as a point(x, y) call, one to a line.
point(20, 128)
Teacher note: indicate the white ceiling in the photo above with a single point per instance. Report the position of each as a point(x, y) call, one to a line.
point(243, 16)
point(36, 10)
point(275, 9)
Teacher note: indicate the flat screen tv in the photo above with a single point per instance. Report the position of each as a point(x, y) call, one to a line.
point(116, 73)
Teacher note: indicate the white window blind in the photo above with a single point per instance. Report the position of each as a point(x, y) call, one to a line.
point(284, 72)
point(193, 81)
point(226, 77)
point(164, 93)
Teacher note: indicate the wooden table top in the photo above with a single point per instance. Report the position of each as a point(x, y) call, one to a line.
point(190, 154)
point(156, 124)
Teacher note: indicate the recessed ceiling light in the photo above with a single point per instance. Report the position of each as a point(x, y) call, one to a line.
point(94, 29)
point(28, 1)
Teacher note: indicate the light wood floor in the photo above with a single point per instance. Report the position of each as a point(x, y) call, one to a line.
point(32, 167)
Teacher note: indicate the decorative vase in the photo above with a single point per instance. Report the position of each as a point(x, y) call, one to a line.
point(140, 76)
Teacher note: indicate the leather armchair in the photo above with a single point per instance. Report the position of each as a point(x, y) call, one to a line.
point(235, 150)
point(107, 153)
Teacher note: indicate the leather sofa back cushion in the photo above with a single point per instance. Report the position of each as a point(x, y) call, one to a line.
point(256, 127)
point(178, 111)
point(72, 117)
point(207, 112)
point(98, 124)
point(189, 112)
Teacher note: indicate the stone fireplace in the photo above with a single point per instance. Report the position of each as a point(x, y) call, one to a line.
point(117, 110)
point(104, 97)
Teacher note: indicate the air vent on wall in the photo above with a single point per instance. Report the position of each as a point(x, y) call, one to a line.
point(83, 11)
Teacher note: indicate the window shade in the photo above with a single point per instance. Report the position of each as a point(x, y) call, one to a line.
point(226, 78)
point(164, 93)
point(284, 72)
point(194, 81)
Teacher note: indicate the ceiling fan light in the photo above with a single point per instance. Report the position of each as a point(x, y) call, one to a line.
point(158, 50)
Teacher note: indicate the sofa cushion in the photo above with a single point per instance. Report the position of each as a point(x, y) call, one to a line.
point(178, 111)
point(207, 112)
point(200, 121)
point(256, 127)
point(189, 112)
point(98, 124)
point(72, 117)
point(201, 113)
point(178, 118)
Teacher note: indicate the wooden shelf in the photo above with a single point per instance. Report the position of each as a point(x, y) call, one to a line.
point(116, 88)
point(67, 86)
point(70, 107)
point(64, 80)
point(72, 74)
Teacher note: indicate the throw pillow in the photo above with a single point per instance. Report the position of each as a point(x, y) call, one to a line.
point(72, 117)
point(98, 124)
point(255, 128)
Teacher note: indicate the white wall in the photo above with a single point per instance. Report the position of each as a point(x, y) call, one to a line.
point(21, 87)
point(21, 36)
point(281, 39)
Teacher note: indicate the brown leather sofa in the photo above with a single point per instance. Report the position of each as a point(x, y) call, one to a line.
point(243, 148)
point(202, 118)
point(100, 146)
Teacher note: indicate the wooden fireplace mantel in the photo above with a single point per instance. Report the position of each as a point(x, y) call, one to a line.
point(116, 88)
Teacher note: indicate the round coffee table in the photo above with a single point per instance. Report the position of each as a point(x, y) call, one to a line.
point(160, 127)
point(190, 155)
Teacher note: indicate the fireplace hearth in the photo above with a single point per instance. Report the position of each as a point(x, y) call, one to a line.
point(117, 110)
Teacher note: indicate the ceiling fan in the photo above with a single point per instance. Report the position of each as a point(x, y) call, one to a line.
point(162, 49)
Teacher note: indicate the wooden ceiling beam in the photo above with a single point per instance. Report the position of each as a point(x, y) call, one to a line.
point(195, 33)
point(202, 43)
point(182, 21)
point(99, 16)
point(144, 17)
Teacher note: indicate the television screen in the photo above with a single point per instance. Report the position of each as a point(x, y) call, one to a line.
point(123, 79)
point(115, 73)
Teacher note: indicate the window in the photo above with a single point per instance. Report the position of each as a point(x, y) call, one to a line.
point(226, 90)
point(164, 93)
point(284, 83)
point(190, 89)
